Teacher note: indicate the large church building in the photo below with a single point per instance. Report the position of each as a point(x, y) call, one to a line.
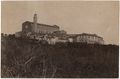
point(35, 27)
point(46, 32)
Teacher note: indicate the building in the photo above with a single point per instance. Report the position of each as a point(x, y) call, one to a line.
point(52, 34)
point(89, 38)
point(18, 34)
point(35, 27)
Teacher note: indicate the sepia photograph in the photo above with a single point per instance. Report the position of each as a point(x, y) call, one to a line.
point(60, 39)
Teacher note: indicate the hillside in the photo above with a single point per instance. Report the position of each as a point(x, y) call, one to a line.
point(26, 58)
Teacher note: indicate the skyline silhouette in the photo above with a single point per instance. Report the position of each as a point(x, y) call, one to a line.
point(95, 17)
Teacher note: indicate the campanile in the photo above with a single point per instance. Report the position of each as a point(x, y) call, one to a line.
point(35, 23)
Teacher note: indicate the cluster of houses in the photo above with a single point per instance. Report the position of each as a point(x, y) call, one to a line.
point(52, 34)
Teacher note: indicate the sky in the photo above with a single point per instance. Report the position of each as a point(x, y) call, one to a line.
point(75, 17)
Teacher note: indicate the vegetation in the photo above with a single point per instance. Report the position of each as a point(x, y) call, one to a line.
point(27, 58)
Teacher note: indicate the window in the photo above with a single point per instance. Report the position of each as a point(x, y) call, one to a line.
point(26, 26)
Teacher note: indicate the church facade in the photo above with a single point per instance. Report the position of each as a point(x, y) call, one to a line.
point(35, 27)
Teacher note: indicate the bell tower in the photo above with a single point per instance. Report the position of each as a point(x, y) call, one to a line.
point(35, 22)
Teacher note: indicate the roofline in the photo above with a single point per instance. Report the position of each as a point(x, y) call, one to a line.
point(85, 34)
point(91, 35)
point(43, 24)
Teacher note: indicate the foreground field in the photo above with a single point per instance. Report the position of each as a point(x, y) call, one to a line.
point(25, 58)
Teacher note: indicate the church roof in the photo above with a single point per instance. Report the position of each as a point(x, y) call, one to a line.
point(43, 24)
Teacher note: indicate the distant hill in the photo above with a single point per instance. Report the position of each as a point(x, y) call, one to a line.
point(26, 58)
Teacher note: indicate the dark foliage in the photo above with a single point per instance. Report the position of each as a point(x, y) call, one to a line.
point(26, 58)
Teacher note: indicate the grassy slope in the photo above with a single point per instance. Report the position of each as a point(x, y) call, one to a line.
point(22, 58)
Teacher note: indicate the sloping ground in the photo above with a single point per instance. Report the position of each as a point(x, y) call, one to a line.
point(24, 58)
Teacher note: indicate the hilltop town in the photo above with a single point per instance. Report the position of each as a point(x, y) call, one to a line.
point(46, 51)
point(52, 34)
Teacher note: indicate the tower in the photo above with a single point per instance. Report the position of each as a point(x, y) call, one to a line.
point(35, 23)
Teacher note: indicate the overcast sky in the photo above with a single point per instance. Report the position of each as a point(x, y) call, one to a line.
point(99, 17)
